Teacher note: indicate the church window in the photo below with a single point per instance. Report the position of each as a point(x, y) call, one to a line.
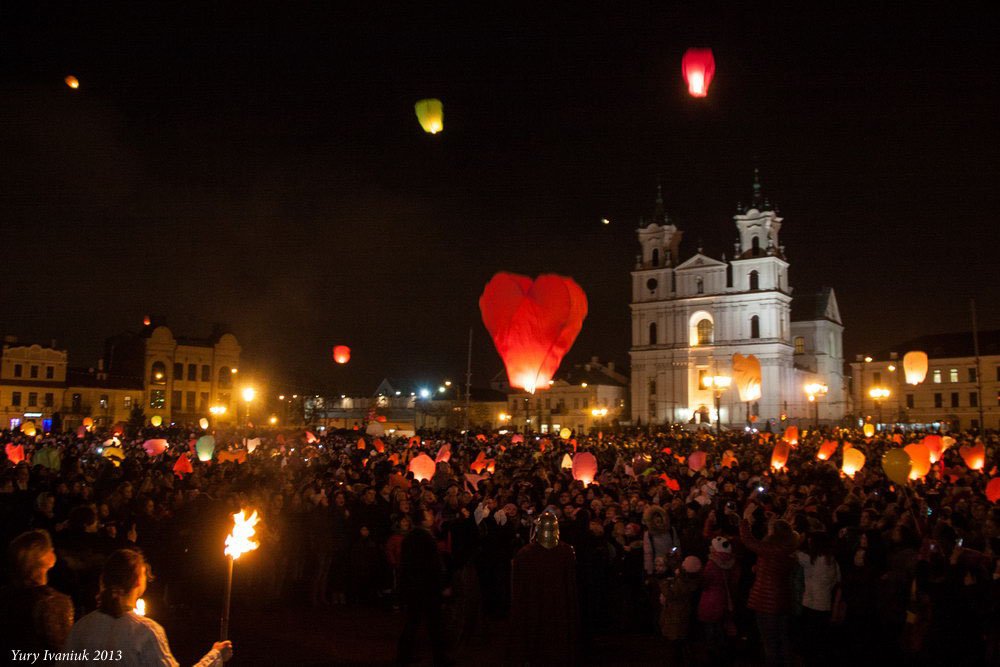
point(158, 373)
point(800, 345)
point(673, 286)
point(656, 256)
point(652, 333)
point(651, 284)
point(755, 245)
point(705, 330)
point(729, 275)
point(699, 285)
point(754, 280)
point(755, 327)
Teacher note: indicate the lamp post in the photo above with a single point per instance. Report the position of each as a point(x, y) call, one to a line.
point(878, 394)
point(217, 411)
point(718, 384)
point(599, 414)
point(248, 395)
point(814, 389)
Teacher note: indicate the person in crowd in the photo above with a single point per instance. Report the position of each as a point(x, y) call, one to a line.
point(771, 595)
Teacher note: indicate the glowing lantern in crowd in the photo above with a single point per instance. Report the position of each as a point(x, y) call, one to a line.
point(155, 446)
point(115, 454)
point(565, 433)
point(50, 457)
point(747, 376)
point(854, 460)
point(696, 461)
point(378, 445)
point(430, 113)
point(362, 444)
point(868, 430)
point(310, 437)
point(533, 324)
point(88, 423)
point(516, 438)
point(584, 468)
point(480, 464)
point(203, 423)
point(422, 467)
point(72, 82)
point(728, 460)
point(946, 441)
point(567, 462)
point(698, 66)
point(920, 460)
point(251, 444)
point(81, 432)
point(156, 420)
point(28, 428)
point(205, 447)
point(975, 456)
point(671, 483)
point(897, 465)
point(792, 435)
point(183, 466)
point(993, 490)
point(779, 455)
point(480, 437)
point(444, 453)
point(826, 450)
point(915, 367)
point(15, 453)
point(414, 441)
point(935, 446)
point(238, 457)
point(341, 354)
point(374, 429)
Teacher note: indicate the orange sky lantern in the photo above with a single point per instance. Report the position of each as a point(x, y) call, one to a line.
point(698, 67)
point(584, 468)
point(155, 446)
point(915, 366)
point(430, 115)
point(747, 376)
point(422, 467)
point(15, 453)
point(72, 82)
point(934, 445)
point(993, 490)
point(974, 456)
point(826, 450)
point(779, 455)
point(341, 354)
point(696, 461)
point(792, 435)
point(854, 460)
point(533, 324)
point(920, 460)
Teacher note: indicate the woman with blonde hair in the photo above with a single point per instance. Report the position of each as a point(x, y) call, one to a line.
point(118, 632)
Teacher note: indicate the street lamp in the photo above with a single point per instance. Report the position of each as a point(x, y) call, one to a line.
point(599, 413)
point(878, 394)
point(814, 389)
point(248, 396)
point(717, 384)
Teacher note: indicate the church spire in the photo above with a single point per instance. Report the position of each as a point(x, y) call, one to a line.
point(660, 216)
point(758, 200)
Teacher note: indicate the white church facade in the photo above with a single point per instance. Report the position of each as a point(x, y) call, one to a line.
point(689, 316)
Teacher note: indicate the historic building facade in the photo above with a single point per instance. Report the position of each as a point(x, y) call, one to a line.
point(690, 315)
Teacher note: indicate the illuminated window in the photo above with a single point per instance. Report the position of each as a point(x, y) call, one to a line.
point(705, 329)
point(800, 345)
point(953, 375)
point(157, 399)
point(103, 401)
point(127, 402)
point(936, 377)
point(702, 374)
point(158, 373)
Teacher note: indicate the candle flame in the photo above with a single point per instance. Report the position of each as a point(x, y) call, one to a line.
point(140, 607)
point(238, 542)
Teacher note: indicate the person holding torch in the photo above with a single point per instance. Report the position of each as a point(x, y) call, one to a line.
point(116, 634)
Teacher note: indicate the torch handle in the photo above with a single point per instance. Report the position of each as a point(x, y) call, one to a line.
point(224, 632)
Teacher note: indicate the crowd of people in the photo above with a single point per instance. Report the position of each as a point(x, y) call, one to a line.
point(732, 561)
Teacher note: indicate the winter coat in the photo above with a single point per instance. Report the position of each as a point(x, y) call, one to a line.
point(678, 603)
point(715, 578)
point(772, 588)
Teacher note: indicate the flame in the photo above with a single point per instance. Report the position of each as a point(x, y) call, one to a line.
point(140, 607)
point(238, 542)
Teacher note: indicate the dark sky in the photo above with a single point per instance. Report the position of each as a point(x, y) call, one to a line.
point(259, 164)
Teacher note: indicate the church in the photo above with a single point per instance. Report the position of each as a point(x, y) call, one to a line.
point(691, 315)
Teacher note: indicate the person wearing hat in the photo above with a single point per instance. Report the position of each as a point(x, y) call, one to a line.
point(677, 603)
point(716, 604)
point(661, 538)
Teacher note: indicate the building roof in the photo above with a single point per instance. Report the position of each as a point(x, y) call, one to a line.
point(592, 374)
point(949, 345)
point(821, 305)
point(83, 377)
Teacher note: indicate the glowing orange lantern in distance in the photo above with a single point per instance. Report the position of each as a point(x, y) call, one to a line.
point(533, 324)
point(854, 460)
point(915, 367)
point(341, 354)
point(779, 456)
point(422, 467)
point(584, 468)
point(792, 435)
point(920, 460)
point(72, 82)
point(698, 67)
point(826, 450)
point(934, 445)
point(993, 490)
point(430, 114)
point(975, 456)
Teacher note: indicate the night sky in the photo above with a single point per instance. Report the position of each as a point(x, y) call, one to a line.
point(259, 164)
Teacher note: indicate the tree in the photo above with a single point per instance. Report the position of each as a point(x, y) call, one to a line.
point(136, 420)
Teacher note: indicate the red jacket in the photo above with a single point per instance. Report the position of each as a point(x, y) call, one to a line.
point(772, 588)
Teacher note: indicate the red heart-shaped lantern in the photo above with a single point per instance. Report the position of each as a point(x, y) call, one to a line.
point(533, 324)
point(975, 456)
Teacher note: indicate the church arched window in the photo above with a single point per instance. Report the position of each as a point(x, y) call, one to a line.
point(800, 345)
point(754, 280)
point(652, 333)
point(755, 245)
point(656, 256)
point(699, 285)
point(755, 327)
point(158, 373)
point(705, 330)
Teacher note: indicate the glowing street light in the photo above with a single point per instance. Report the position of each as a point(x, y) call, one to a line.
point(217, 410)
point(425, 393)
point(879, 394)
point(273, 420)
point(814, 389)
point(248, 395)
point(717, 384)
point(441, 389)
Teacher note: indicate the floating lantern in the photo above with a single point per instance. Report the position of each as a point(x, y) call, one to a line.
point(915, 367)
point(183, 466)
point(584, 468)
point(72, 82)
point(747, 376)
point(826, 450)
point(565, 433)
point(935, 446)
point(310, 437)
point(974, 456)
point(50, 457)
point(993, 490)
point(430, 114)
point(414, 441)
point(205, 447)
point(567, 462)
point(156, 420)
point(779, 455)
point(422, 467)
point(88, 423)
point(444, 453)
point(341, 354)
point(868, 430)
point(374, 429)
point(920, 459)
point(854, 460)
point(28, 428)
point(696, 461)
point(792, 435)
point(698, 67)
point(203, 423)
point(946, 441)
point(897, 465)
point(728, 460)
point(15, 453)
point(362, 444)
point(251, 444)
point(238, 457)
point(155, 446)
point(533, 324)
point(115, 454)
point(516, 438)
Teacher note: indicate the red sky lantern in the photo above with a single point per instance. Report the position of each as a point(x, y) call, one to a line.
point(15, 453)
point(779, 456)
point(975, 456)
point(934, 445)
point(920, 458)
point(183, 466)
point(696, 461)
point(155, 446)
point(341, 354)
point(584, 468)
point(993, 490)
point(422, 467)
point(826, 450)
point(698, 66)
point(444, 453)
point(792, 435)
point(533, 324)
